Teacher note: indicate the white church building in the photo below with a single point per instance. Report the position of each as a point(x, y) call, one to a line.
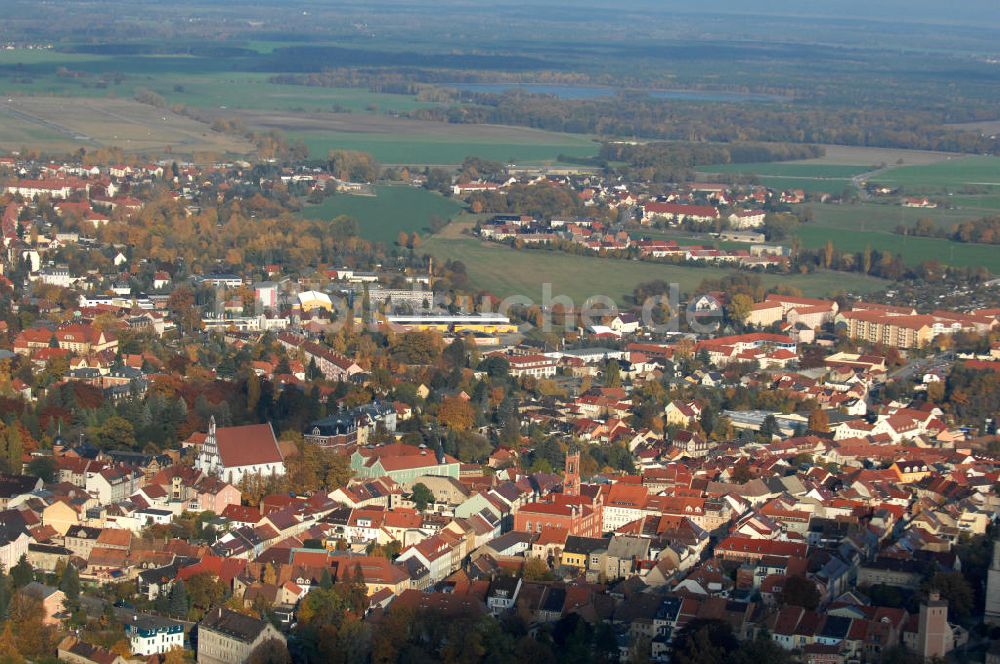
point(231, 453)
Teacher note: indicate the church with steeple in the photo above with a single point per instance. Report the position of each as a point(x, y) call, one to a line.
point(232, 453)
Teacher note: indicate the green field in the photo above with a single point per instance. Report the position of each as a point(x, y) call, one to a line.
point(986, 204)
point(853, 227)
point(206, 84)
point(504, 272)
point(255, 92)
point(391, 210)
point(792, 169)
point(445, 149)
point(880, 216)
point(785, 175)
point(248, 91)
point(808, 185)
point(952, 174)
point(914, 250)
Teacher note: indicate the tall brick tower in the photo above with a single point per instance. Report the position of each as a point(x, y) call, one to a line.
point(571, 474)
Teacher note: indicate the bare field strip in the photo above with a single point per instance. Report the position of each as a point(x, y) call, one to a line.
point(366, 123)
point(851, 155)
point(123, 123)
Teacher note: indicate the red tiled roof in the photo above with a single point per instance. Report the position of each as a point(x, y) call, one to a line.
point(248, 445)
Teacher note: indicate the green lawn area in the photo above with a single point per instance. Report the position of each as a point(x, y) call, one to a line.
point(504, 272)
point(391, 210)
point(951, 174)
point(445, 149)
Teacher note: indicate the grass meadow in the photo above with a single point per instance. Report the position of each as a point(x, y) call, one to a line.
point(504, 271)
point(393, 209)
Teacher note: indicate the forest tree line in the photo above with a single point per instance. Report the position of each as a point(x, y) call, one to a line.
point(639, 115)
point(985, 230)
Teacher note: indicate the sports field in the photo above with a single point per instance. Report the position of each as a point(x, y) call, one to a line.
point(391, 210)
point(504, 271)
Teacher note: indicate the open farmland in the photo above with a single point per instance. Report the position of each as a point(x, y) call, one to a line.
point(810, 177)
point(835, 170)
point(256, 92)
point(122, 123)
point(914, 250)
point(790, 169)
point(856, 155)
point(879, 216)
point(853, 227)
point(391, 210)
point(505, 271)
point(395, 140)
point(977, 204)
point(953, 174)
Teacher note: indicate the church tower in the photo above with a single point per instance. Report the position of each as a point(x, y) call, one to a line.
point(571, 474)
point(934, 637)
point(208, 459)
point(993, 588)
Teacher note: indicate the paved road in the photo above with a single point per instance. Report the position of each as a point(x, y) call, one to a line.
point(859, 181)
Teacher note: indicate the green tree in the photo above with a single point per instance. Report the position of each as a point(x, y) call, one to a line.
point(421, 495)
point(70, 584)
point(769, 427)
point(6, 593)
point(178, 605)
point(954, 587)
point(704, 642)
point(114, 433)
point(43, 468)
point(325, 580)
point(22, 573)
point(800, 591)
point(612, 374)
